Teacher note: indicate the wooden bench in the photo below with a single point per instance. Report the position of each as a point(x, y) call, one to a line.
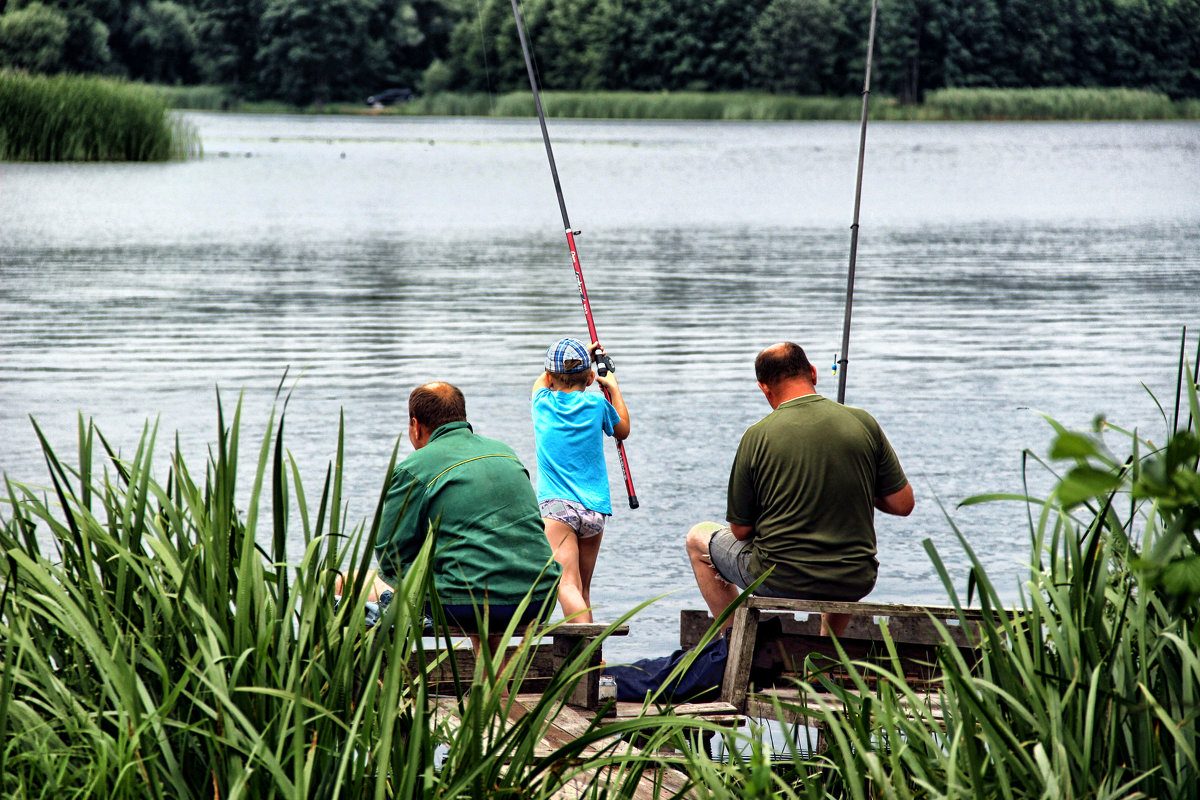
point(559, 644)
point(783, 655)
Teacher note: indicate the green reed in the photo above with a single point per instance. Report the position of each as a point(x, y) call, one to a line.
point(940, 105)
point(79, 118)
point(1050, 104)
point(157, 641)
point(204, 97)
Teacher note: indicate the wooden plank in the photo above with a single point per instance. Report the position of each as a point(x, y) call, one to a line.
point(627, 710)
point(568, 724)
point(585, 629)
point(538, 630)
point(695, 623)
point(785, 657)
point(696, 709)
point(742, 638)
point(862, 609)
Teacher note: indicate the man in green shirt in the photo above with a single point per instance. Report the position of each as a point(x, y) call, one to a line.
point(804, 486)
point(491, 549)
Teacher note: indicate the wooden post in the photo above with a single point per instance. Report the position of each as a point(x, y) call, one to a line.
point(742, 638)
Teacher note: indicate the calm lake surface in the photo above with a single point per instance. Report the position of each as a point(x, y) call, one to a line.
point(1003, 269)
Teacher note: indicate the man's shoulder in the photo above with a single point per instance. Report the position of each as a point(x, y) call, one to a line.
point(496, 447)
point(863, 416)
point(812, 413)
point(425, 464)
point(798, 408)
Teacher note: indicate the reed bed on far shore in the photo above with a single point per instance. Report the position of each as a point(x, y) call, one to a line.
point(943, 105)
point(1052, 104)
point(82, 118)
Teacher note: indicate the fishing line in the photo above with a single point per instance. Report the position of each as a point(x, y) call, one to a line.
point(844, 361)
point(605, 363)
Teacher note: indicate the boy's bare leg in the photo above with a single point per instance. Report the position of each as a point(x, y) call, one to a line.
point(589, 549)
point(565, 545)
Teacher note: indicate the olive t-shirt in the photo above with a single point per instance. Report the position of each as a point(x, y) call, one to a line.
point(805, 477)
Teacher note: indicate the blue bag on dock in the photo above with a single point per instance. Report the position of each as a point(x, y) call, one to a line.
point(700, 683)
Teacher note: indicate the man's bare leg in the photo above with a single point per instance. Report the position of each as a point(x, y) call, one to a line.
point(494, 644)
point(375, 585)
point(718, 593)
point(834, 623)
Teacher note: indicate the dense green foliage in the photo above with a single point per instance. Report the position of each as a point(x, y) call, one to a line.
point(72, 118)
point(315, 51)
point(157, 641)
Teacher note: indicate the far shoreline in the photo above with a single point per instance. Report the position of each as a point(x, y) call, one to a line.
point(945, 105)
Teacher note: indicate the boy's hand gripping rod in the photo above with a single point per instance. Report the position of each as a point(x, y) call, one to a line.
point(605, 362)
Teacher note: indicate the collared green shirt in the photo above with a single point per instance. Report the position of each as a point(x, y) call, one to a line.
point(491, 540)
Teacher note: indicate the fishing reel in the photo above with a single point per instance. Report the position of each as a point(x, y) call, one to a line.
point(604, 364)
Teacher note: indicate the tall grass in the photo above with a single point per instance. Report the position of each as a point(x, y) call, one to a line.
point(1050, 104)
point(941, 105)
point(77, 118)
point(205, 97)
point(156, 642)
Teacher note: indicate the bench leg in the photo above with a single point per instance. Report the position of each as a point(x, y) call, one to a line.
point(742, 638)
point(587, 692)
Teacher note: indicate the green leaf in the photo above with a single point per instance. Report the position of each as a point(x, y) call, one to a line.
point(1084, 483)
point(1181, 578)
point(976, 499)
point(1074, 445)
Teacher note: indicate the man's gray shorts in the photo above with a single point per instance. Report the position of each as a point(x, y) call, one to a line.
point(730, 556)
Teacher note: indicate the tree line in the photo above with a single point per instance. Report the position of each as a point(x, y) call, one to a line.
point(317, 51)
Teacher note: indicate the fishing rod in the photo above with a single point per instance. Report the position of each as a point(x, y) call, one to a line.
point(862, 147)
point(605, 363)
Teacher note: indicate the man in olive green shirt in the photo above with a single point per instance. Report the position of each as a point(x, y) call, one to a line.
point(802, 493)
point(491, 549)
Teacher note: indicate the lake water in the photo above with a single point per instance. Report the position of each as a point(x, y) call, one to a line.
point(1003, 269)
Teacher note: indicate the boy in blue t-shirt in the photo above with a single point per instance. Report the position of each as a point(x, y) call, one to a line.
point(569, 426)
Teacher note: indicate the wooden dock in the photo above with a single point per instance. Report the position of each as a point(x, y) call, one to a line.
point(773, 646)
point(575, 715)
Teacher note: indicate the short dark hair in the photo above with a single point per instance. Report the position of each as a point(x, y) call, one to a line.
point(780, 362)
point(571, 380)
point(437, 403)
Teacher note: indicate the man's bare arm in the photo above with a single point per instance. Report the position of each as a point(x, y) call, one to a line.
point(899, 503)
point(741, 532)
